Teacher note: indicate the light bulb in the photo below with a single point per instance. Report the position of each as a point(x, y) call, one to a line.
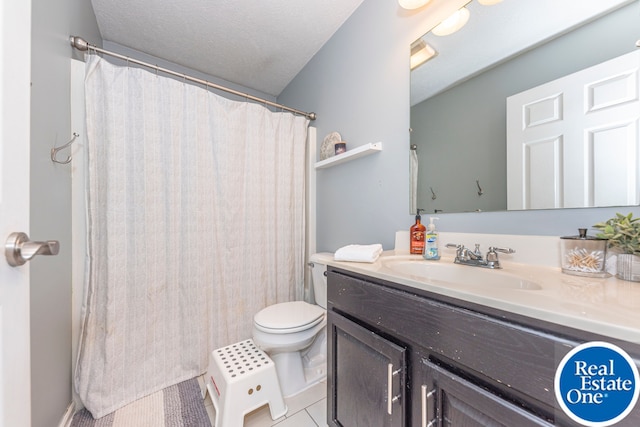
point(452, 23)
point(412, 4)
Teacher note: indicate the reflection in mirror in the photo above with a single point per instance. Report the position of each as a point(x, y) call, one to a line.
point(458, 97)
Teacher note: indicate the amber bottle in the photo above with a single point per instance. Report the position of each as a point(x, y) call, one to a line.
point(416, 234)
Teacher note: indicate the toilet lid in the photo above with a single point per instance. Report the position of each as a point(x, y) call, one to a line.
point(289, 317)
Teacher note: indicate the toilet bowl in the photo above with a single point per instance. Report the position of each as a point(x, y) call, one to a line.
point(294, 335)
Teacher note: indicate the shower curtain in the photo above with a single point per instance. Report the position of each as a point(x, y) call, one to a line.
point(413, 180)
point(195, 221)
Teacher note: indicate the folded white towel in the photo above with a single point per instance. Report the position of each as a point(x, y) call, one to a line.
point(358, 253)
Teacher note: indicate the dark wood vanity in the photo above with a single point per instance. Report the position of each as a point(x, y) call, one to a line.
point(401, 356)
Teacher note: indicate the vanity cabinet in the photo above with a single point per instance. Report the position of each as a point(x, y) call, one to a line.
point(400, 356)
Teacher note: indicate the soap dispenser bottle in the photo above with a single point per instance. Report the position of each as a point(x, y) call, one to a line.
point(416, 234)
point(431, 243)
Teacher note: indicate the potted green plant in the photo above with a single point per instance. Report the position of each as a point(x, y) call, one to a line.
point(623, 234)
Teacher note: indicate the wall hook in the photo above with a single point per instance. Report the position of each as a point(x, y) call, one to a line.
point(480, 192)
point(433, 194)
point(54, 151)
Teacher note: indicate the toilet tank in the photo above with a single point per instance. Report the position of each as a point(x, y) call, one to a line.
point(318, 278)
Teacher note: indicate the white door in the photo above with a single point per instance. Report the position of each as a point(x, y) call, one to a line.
point(15, 72)
point(575, 141)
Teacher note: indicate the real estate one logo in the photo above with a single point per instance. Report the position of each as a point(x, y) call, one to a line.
point(597, 384)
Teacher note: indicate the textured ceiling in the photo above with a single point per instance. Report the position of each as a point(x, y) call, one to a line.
point(496, 33)
point(264, 44)
point(259, 44)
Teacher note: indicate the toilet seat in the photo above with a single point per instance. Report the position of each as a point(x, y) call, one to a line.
point(288, 317)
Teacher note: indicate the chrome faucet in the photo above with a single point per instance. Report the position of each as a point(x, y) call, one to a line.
point(465, 256)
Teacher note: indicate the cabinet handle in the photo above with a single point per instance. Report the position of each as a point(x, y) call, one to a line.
point(391, 399)
point(425, 398)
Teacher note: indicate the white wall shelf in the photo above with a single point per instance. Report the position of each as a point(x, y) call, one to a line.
point(363, 150)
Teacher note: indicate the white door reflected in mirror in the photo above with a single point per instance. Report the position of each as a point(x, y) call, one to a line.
point(574, 142)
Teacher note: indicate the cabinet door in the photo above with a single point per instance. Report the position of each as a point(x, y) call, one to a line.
point(444, 399)
point(367, 376)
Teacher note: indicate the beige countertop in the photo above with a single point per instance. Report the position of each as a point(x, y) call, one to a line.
point(606, 306)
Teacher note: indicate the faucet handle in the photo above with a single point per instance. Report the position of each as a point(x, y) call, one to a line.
point(492, 255)
point(503, 250)
point(460, 249)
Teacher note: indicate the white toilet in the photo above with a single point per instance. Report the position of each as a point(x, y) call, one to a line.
point(294, 335)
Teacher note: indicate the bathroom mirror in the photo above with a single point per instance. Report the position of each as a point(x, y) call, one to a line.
point(458, 98)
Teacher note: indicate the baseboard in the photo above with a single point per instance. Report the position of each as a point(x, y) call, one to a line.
point(68, 415)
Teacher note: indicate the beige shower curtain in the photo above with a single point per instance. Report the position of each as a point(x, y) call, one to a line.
point(413, 180)
point(195, 221)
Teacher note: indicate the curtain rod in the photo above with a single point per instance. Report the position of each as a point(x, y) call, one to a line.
point(82, 45)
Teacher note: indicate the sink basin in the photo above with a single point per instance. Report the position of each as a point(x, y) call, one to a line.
point(461, 275)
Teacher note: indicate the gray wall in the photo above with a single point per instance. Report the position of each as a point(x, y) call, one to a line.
point(456, 153)
point(354, 84)
point(52, 23)
point(358, 84)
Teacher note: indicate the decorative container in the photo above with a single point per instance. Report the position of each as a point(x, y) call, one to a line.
point(583, 255)
point(628, 267)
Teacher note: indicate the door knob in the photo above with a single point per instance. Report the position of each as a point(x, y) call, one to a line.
point(19, 249)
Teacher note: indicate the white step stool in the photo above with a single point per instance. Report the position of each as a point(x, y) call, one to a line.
point(239, 379)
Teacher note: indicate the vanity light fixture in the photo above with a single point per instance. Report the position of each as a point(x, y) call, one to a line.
point(421, 52)
point(412, 4)
point(489, 2)
point(453, 23)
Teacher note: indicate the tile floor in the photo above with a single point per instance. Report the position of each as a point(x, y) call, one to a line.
point(306, 409)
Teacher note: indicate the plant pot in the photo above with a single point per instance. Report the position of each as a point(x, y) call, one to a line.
point(628, 267)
